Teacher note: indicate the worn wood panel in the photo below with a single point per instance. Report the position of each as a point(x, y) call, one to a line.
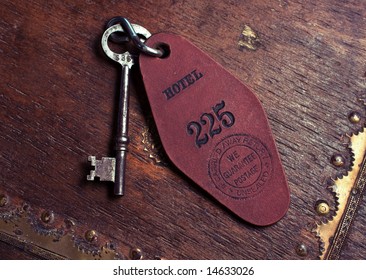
point(58, 93)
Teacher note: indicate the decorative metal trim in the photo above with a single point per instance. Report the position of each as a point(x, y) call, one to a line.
point(349, 191)
point(26, 230)
point(39, 252)
point(346, 222)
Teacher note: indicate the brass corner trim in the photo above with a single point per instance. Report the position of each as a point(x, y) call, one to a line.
point(22, 229)
point(348, 191)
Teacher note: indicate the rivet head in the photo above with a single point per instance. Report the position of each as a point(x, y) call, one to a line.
point(322, 208)
point(136, 254)
point(159, 258)
point(69, 223)
point(18, 231)
point(26, 207)
point(354, 117)
point(3, 200)
point(47, 217)
point(301, 250)
point(91, 235)
point(338, 160)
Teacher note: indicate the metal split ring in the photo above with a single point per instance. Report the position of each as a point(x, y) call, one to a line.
point(121, 24)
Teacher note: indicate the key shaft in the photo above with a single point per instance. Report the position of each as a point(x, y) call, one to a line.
point(122, 138)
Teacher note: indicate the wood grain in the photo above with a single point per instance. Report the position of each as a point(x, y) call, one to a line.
point(58, 93)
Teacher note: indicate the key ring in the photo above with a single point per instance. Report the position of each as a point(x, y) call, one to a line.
point(115, 37)
point(132, 30)
point(118, 28)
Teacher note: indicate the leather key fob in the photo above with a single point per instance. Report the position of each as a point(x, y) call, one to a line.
point(214, 129)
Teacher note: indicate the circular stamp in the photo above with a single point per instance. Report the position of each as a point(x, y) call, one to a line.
point(240, 166)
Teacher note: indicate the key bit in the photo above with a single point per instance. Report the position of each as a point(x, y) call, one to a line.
point(104, 168)
point(113, 168)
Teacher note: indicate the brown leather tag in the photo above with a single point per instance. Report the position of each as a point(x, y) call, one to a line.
point(214, 129)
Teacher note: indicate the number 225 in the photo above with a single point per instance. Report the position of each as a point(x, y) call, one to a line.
point(226, 119)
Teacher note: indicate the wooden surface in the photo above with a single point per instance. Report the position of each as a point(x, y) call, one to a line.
point(305, 60)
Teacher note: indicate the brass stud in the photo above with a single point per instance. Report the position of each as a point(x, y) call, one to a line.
point(136, 254)
point(47, 217)
point(301, 250)
point(338, 160)
point(91, 235)
point(354, 117)
point(322, 208)
point(18, 231)
point(69, 223)
point(25, 207)
point(3, 200)
point(159, 258)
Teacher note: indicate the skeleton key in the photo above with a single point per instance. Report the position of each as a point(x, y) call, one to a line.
point(113, 168)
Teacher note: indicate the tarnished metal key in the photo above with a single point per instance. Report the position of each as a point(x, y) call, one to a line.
point(113, 168)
